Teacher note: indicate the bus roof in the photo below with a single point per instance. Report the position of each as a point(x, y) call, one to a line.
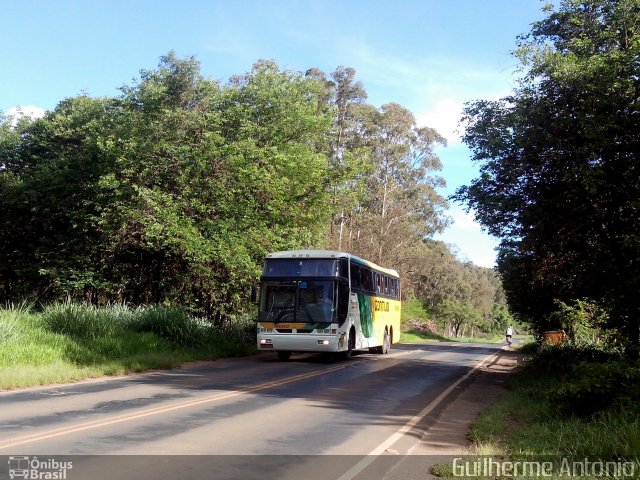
point(330, 254)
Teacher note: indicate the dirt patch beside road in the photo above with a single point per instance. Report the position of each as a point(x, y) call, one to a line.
point(445, 430)
point(448, 434)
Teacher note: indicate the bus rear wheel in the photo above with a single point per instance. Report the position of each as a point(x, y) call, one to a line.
point(386, 343)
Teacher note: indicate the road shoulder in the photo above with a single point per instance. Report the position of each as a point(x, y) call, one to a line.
point(444, 435)
point(448, 433)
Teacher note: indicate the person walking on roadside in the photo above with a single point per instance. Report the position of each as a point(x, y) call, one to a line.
point(509, 334)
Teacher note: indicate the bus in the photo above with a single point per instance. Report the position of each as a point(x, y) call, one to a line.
point(328, 302)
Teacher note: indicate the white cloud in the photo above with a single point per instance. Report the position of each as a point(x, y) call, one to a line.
point(464, 220)
point(468, 239)
point(16, 113)
point(435, 88)
point(444, 116)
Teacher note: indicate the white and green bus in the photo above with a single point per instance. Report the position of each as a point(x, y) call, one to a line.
point(327, 301)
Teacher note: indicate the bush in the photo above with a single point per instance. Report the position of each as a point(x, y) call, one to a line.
point(586, 323)
point(593, 387)
point(585, 379)
point(561, 359)
point(240, 330)
point(174, 325)
point(414, 317)
point(529, 348)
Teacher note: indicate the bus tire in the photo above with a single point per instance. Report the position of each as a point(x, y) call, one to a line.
point(351, 345)
point(284, 355)
point(386, 343)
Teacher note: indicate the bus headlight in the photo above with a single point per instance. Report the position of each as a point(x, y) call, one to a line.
point(323, 342)
point(265, 341)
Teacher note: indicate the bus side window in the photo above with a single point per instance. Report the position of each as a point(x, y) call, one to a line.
point(356, 277)
point(343, 302)
point(343, 268)
point(366, 279)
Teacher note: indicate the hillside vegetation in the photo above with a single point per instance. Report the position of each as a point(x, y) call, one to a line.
point(172, 192)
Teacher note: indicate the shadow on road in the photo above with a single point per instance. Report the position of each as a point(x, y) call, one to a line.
point(372, 390)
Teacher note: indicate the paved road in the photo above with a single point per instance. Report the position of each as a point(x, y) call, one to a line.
point(243, 416)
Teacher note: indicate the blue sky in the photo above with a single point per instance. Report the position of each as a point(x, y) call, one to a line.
point(430, 56)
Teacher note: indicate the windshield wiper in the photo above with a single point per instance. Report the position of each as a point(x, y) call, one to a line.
point(283, 310)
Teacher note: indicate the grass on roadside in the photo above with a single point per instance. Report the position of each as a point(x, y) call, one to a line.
point(530, 423)
point(420, 336)
point(69, 341)
point(418, 327)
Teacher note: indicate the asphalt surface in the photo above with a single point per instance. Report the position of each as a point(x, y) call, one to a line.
point(255, 417)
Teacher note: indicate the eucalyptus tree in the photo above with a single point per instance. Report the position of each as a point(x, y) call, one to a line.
point(344, 98)
point(401, 204)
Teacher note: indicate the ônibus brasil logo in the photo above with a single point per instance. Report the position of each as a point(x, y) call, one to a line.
point(38, 469)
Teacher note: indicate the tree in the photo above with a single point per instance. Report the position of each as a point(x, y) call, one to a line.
point(344, 97)
point(383, 165)
point(559, 160)
point(401, 204)
point(397, 205)
point(457, 316)
point(47, 189)
point(172, 192)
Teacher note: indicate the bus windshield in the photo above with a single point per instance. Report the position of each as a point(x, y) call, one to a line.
point(298, 301)
point(304, 267)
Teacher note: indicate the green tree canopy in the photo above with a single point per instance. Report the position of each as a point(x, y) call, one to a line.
point(172, 192)
point(559, 179)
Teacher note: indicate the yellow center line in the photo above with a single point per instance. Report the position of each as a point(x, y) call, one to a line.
point(158, 410)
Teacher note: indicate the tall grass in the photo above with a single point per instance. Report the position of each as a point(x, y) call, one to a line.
point(87, 321)
point(171, 324)
point(69, 341)
point(10, 328)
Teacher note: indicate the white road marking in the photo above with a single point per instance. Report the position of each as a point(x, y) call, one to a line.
point(386, 445)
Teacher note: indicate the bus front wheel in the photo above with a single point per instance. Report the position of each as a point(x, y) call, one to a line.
point(351, 345)
point(284, 356)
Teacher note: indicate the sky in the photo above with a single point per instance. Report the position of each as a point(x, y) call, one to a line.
point(430, 56)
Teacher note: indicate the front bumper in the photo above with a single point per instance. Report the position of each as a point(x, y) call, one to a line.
point(300, 342)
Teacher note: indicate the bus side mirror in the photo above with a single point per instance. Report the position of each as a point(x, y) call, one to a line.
point(254, 295)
